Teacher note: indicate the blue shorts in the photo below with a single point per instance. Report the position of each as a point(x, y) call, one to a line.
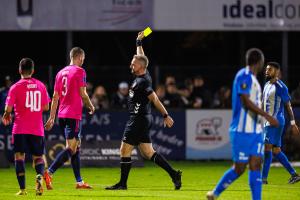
point(273, 135)
point(71, 128)
point(245, 145)
point(27, 143)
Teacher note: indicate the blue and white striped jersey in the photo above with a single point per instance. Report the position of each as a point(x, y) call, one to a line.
point(244, 120)
point(275, 95)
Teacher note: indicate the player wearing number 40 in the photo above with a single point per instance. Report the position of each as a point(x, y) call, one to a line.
point(70, 91)
point(29, 98)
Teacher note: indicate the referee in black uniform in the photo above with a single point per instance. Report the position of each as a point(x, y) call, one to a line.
point(137, 129)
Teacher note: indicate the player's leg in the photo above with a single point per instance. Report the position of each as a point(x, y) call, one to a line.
point(125, 153)
point(19, 146)
point(66, 154)
point(148, 152)
point(227, 179)
point(240, 155)
point(281, 157)
point(255, 181)
point(20, 172)
point(39, 168)
point(73, 130)
point(270, 137)
point(256, 156)
point(37, 146)
point(267, 163)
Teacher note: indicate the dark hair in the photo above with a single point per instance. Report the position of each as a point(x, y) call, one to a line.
point(198, 77)
point(26, 66)
point(254, 56)
point(75, 52)
point(274, 64)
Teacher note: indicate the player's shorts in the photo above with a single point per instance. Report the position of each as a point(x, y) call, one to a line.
point(273, 135)
point(245, 145)
point(137, 130)
point(71, 128)
point(27, 143)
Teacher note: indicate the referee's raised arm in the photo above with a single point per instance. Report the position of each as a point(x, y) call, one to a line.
point(139, 48)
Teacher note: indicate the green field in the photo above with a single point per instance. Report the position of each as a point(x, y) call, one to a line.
point(150, 182)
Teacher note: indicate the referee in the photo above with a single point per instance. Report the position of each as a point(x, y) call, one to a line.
point(137, 129)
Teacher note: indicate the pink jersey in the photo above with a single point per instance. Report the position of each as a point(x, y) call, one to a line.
point(68, 82)
point(28, 97)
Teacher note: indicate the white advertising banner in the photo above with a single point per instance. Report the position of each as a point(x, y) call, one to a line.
point(207, 134)
point(202, 15)
point(227, 15)
point(75, 14)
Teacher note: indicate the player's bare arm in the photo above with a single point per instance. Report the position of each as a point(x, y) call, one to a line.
point(168, 121)
point(6, 118)
point(49, 124)
point(139, 48)
point(247, 103)
point(294, 127)
point(86, 100)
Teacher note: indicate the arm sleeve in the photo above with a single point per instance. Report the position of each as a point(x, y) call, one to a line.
point(244, 84)
point(82, 79)
point(11, 97)
point(284, 94)
point(46, 98)
point(147, 88)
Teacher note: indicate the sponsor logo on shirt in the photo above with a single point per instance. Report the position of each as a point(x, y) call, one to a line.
point(136, 108)
point(131, 93)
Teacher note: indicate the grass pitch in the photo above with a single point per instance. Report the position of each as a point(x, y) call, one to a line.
point(149, 182)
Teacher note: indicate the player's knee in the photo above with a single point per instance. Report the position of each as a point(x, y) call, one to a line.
point(125, 152)
point(148, 155)
point(19, 156)
point(255, 166)
point(276, 150)
point(239, 169)
point(268, 147)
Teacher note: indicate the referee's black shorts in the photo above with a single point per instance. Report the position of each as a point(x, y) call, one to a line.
point(137, 130)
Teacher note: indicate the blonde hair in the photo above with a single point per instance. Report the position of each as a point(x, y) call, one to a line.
point(143, 59)
point(75, 52)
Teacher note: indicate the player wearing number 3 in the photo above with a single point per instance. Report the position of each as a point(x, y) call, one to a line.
point(70, 90)
point(29, 98)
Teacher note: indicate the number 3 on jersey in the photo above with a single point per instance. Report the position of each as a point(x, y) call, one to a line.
point(65, 86)
point(33, 101)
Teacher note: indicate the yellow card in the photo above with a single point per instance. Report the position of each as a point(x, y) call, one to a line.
point(147, 31)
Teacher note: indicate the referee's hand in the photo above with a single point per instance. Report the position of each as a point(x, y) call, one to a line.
point(168, 121)
point(140, 35)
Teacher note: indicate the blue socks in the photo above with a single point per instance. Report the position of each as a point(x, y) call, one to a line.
point(60, 159)
point(20, 172)
point(39, 165)
point(255, 183)
point(281, 157)
point(225, 181)
point(267, 164)
point(75, 161)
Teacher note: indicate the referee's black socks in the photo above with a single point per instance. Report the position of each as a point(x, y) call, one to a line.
point(125, 168)
point(163, 163)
